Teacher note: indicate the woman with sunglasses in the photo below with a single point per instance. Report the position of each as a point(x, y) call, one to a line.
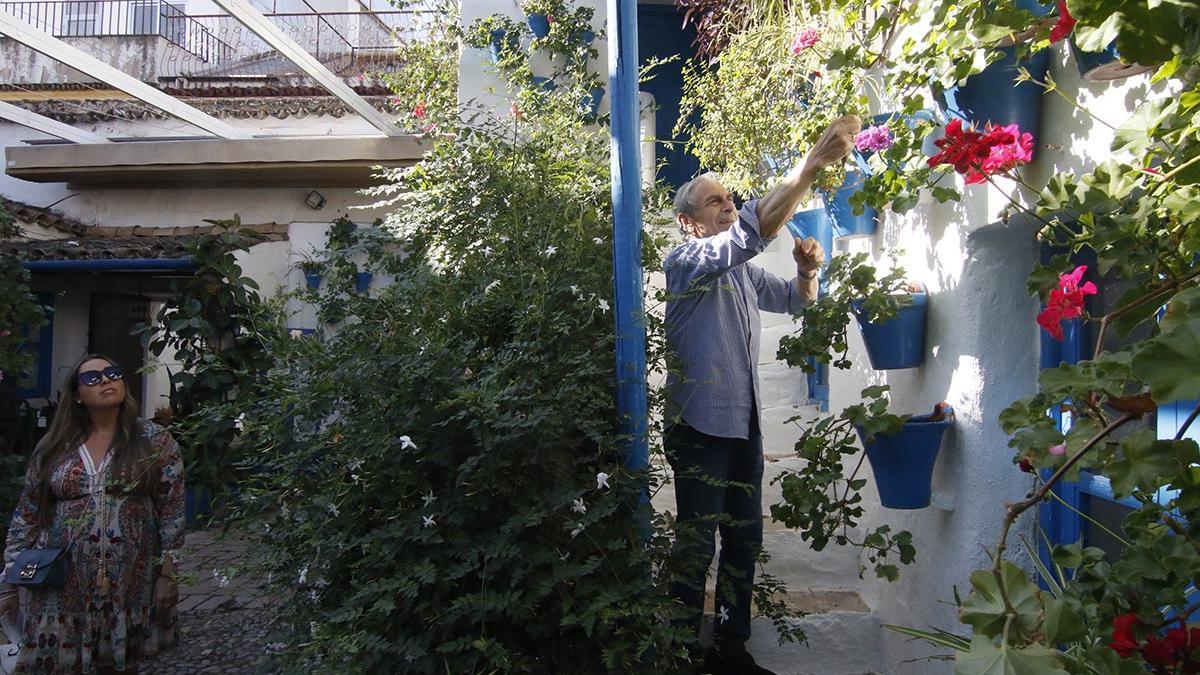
point(109, 486)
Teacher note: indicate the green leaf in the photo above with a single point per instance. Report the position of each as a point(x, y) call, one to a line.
point(1063, 623)
point(987, 658)
point(1148, 463)
point(985, 611)
point(1170, 362)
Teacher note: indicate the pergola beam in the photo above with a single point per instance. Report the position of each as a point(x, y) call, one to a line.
point(58, 50)
point(285, 45)
point(46, 125)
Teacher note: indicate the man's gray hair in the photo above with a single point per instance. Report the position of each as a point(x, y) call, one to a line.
point(683, 196)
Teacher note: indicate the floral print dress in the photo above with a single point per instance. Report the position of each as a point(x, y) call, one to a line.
point(78, 628)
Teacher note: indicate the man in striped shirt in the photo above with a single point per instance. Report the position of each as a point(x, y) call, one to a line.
point(712, 436)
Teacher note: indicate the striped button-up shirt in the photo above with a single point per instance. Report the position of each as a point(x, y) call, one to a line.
point(714, 296)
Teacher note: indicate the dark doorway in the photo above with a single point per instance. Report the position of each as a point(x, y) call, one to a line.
point(113, 316)
point(661, 34)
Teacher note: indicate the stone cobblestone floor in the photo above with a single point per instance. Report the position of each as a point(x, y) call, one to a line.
point(223, 626)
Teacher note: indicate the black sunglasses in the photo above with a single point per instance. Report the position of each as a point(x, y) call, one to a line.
point(91, 378)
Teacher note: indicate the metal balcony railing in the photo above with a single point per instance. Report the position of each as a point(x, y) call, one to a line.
point(218, 43)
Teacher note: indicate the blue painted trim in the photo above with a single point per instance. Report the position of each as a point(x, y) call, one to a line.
point(45, 364)
point(110, 265)
point(627, 230)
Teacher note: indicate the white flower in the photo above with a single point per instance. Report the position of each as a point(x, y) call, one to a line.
point(597, 240)
point(222, 579)
point(303, 576)
point(577, 531)
point(551, 250)
point(312, 628)
point(333, 509)
point(723, 615)
point(354, 477)
point(574, 289)
point(428, 498)
point(355, 464)
point(504, 238)
point(275, 647)
point(578, 506)
point(601, 481)
point(603, 305)
point(406, 443)
point(240, 422)
point(427, 521)
point(491, 286)
point(266, 527)
point(296, 332)
point(487, 250)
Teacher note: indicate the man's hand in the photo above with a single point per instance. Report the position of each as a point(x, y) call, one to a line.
point(833, 145)
point(778, 206)
point(809, 255)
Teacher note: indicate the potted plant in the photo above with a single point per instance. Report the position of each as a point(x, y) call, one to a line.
point(312, 273)
point(362, 281)
point(541, 14)
point(897, 342)
point(1000, 94)
point(813, 222)
point(497, 33)
point(1106, 65)
point(846, 223)
point(902, 456)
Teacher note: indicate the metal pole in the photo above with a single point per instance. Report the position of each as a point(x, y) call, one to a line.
point(627, 229)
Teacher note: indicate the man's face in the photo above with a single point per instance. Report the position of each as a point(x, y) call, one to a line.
point(715, 211)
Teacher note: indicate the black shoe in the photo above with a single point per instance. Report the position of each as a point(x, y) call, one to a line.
point(737, 663)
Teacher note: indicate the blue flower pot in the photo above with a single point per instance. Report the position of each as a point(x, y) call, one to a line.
point(993, 96)
point(813, 223)
point(903, 463)
point(841, 215)
point(591, 102)
point(197, 504)
point(588, 36)
point(539, 24)
point(544, 84)
point(1106, 65)
point(899, 342)
point(500, 40)
point(312, 279)
point(362, 281)
point(1034, 7)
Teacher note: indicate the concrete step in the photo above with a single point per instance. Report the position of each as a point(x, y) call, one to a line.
point(843, 636)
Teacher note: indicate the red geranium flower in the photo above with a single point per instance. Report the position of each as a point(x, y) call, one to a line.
point(981, 154)
point(1066, 23)
point(1158, 654)
point(1123, 641)
point(1066, 302)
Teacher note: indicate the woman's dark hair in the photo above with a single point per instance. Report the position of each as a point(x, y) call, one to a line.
point(132, 455)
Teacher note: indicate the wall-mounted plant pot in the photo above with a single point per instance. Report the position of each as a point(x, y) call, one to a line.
point(841, 216)
point(539, 24)
point(591, 102)
point(903, 463)
point(362, 281)
point(899, 342)
point(813, 223)
point(544, 84)
point(502, 41)
point(197, 504)
point(1105, 66)
point(312, 279)
point(991, 97)
point(586, 36)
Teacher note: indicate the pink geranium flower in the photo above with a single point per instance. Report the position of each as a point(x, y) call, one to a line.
point(874, 139)
point(420, 110)
point(1066, 302)
point(805, 39)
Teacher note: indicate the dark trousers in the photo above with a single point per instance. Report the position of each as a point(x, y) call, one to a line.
point(718, 483)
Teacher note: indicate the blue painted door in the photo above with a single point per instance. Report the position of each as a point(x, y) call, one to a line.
point(661, 34)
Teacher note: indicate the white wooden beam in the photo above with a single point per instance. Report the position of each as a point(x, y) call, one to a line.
point(268, 31)
point(58, 50)
point(44, 124)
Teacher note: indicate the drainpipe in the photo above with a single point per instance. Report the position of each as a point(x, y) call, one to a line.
point(627, 230)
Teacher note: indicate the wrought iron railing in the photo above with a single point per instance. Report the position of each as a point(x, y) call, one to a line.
point(107, 18)
point(214, 43)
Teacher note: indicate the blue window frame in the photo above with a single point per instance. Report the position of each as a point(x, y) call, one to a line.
point(39, 342)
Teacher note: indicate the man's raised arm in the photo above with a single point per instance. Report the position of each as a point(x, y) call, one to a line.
point(779, 205)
